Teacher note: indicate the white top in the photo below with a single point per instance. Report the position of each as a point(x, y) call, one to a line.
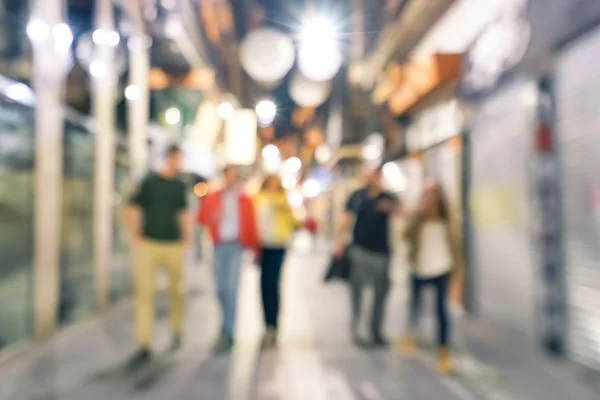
point(229, 219)
point(435, 257)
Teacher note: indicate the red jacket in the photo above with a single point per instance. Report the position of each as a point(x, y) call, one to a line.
point(210, 212)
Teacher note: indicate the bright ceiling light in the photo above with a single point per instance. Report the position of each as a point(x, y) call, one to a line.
point(97, 69)
point(311, 188)
point(132, 92)
point(289, 181)
point(270, 152)
point(266, 111)
point(293, 165)
point(172, 116)
point(295, 198)
point(114, 38)
point(20, 92)
point(316, 30)
point(319, 54)
point(394, 176)
point(63, 38)
point(173, 27)
point(323, 154)
point(37, 30)
point(225, 110)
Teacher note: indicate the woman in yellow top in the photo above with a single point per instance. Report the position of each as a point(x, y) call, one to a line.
point(276, 224)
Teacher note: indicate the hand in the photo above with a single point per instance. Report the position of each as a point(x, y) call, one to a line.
point(257, 257)
point(136, 241)
point(339, 250)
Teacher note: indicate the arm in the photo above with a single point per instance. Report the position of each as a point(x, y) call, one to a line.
point(133, 214)
point(133, 222)
point(183, 217)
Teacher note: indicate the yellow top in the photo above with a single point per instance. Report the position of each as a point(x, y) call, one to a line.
point(275, 219)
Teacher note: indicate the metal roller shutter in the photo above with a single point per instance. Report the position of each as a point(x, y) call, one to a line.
point(578, 132)
point(503, 271)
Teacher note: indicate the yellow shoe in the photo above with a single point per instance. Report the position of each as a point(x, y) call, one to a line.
point(406, 346)
point(444, 362)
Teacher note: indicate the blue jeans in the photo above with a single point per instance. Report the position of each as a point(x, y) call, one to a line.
point(227, 263)
point(440, 284)
point(271, 261)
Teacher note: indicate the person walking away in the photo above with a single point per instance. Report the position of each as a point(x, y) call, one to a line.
point(276, 225)
point(433, 254)
point(229, 215)
point(159, 230)
point(371, 209)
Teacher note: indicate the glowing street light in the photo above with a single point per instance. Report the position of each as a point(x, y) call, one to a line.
point(132, 92)
point(289, 181)
point(225, 110)
point(97, 69)
point(266, 111)
point(63, 38)
point(323, 154)
point(319, 54)
point(270, 152)
point(172, 116)
point(293, 165)
point(311, 188)
point(37, 30)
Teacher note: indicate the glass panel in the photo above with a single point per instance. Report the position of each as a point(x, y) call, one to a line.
point(77, 291)
point(16, 221)
point(120, 276)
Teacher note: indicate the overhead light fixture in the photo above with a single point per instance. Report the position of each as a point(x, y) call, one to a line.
point(20, 92)
point(97, 69)
point(311, 188)
point(132, 92)
point(173, 27)
point(323, 154)
point(266, 110)
point(63, 38)
point(319, 54)
point(293, 165)
point(289, 182)
point(172, 116)
point(225, 110)
point(37, 30)
point(270, 152)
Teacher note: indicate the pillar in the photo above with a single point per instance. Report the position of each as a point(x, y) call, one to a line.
point(51, 40)
point(104, 92)
point(138, 104)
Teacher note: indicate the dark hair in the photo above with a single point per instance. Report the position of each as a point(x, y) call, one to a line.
point(267, 179)
point(173, 149)
point(443, 205)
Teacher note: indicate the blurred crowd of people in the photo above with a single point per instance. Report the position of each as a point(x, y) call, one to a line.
point(159, 226)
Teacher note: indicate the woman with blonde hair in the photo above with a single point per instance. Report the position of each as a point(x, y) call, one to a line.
point(433, 254)
point(276, 224)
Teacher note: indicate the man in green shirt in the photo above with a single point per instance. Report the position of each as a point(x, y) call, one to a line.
point(158, 221)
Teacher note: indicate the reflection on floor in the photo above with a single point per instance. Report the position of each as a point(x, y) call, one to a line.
point(315, 359)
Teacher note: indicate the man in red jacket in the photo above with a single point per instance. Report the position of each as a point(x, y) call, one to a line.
point(229, 216)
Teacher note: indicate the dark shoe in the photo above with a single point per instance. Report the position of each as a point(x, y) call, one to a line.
point(142, 356)
point(176, 342)
point(379, 341)
point(224, 345)
point(269, 339)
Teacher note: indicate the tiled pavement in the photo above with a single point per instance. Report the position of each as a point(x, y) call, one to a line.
point(315, 359)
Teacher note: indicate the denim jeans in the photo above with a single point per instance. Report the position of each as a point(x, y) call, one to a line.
point(271, 262)
point(366, 268)
point(440, 284)
point(227, 263)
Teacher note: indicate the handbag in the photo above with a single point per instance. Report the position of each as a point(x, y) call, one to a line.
point(339, 268)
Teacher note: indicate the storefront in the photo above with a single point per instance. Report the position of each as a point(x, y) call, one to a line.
point(533, 175)
point(577, 93)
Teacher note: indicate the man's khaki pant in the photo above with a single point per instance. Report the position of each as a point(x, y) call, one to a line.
point(149, 256)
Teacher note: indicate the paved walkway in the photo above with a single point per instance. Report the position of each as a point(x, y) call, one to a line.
point(315, 360)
